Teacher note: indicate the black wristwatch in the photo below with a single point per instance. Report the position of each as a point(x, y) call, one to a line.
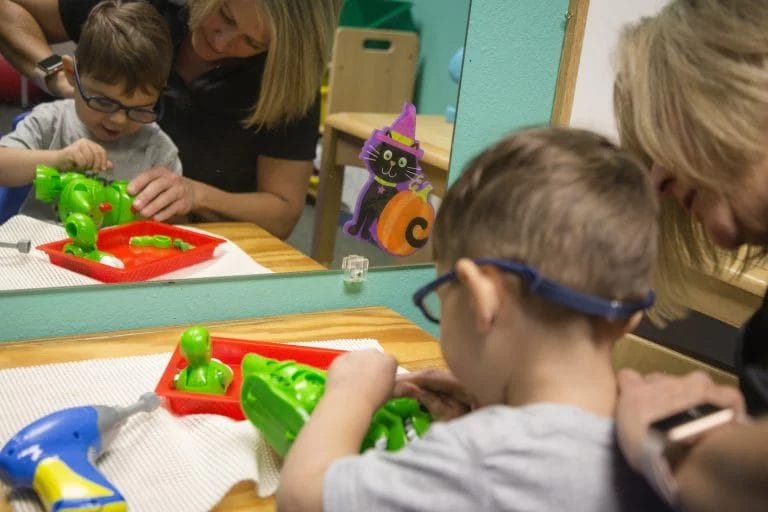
point(50, 65)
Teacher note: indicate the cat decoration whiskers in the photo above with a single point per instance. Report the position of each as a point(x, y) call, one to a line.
point(391, 156)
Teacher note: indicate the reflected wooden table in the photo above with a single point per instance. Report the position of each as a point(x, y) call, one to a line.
point(729, 296)
point(413, 347)
point(343, 137)
point(265, 248)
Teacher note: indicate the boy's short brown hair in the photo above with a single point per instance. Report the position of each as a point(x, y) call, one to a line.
point(565, 201)
point(128, 43)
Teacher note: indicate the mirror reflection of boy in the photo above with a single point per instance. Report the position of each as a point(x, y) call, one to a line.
point(532, 347)
point(121, 66)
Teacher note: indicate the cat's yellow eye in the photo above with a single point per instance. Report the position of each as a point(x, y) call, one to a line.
point(387, 155)
point(402, 162)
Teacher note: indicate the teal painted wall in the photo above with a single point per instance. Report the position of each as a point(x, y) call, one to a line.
point(442, 27)
point(510, 70)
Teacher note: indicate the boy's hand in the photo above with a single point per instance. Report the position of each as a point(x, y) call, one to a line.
point(370, 374)
point(645, 399)
point(83, 155)
point(439, 390)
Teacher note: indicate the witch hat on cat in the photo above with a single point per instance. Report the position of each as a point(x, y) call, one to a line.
point(403, 129)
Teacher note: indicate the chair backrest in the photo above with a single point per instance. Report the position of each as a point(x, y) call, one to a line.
point(11, 198)
point(372, 70)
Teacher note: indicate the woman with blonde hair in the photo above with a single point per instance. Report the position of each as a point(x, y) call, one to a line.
point(691, 100)
point(242, 102)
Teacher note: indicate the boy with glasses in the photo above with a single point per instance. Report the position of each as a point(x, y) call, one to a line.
point(544, 248)
point(121, 66)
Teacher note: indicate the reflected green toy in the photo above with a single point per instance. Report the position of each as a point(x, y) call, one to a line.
point(182, 245)
point(158, 241)
point(107, 203)
point(202, 374)
point(278, 397)
point(84, 235)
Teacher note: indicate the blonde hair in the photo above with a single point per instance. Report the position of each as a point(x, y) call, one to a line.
point(302, 34)
point(126, 43)
point(566, 201)
point(691, 95)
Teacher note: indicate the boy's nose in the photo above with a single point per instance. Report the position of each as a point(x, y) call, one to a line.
point(118, 117)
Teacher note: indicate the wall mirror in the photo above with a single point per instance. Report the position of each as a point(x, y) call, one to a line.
point(386, 53)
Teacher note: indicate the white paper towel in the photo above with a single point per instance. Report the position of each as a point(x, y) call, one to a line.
point(34, 270)
point(158, 461)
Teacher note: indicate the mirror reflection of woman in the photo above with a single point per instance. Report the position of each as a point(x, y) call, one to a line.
point(691, 99)
point(242, 103)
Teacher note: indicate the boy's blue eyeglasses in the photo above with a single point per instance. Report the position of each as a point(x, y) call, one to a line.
point(426, 300)
point(109, 106)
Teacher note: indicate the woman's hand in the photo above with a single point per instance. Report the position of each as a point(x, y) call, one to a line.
point(83, 155)
point(645, 399)
point(365, 373)
point(438, 390)
point(161, 194)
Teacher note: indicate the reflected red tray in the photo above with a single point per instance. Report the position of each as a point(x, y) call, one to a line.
point(141, 263)
point(231, 352)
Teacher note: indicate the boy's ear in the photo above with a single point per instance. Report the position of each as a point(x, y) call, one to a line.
point(485, 291)
point(69, 68)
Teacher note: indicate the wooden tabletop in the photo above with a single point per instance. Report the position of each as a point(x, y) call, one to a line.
point(413, 347)
point(433, 132)
point(265, 248)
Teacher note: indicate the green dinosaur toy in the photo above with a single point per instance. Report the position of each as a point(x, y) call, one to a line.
point(84, 205)
point(278, 397)
point(202, 374)
point(107, 203)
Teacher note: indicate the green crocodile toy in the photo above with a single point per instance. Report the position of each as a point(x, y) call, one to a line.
point(107, 203)
point(202, 374)
point(278, 397)
point(84, 205)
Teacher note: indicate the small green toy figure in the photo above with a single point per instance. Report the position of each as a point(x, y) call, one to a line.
point(279, 396)
point(157, 241)
point(202, 374)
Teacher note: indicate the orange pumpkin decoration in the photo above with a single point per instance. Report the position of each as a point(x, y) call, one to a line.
point(406, 222)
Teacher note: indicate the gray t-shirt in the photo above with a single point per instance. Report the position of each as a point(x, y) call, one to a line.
point(55, 125)
point(543, 457)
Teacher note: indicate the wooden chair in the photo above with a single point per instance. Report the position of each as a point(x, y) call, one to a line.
point(372, 70)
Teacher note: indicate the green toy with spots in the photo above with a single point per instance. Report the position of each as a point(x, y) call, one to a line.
point(85, 204)
point(279, 396)
point(203, 374)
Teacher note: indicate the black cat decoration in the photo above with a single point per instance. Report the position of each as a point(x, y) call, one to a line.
point(393, 210)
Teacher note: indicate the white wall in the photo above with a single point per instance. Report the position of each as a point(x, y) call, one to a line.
point(593, 95)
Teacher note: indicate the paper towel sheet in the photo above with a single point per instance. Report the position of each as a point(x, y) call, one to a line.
point(158, 461)
point(33, 270)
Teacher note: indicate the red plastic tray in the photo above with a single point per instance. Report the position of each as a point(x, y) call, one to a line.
point(231, 352)
point(141, 263)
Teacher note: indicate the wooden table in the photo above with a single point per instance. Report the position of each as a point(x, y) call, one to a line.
point(729, 296)
point(413, 347)
point(265, 248)
point(343, 138)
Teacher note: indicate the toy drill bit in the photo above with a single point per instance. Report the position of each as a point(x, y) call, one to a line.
point(23, 246)
point(55, 454)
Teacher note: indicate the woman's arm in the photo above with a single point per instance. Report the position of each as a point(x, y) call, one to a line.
point(276, 206)
point(727, 470)
point(27, 28)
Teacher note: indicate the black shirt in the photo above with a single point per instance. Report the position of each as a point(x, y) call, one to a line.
point(204, 117)
point(752, 361)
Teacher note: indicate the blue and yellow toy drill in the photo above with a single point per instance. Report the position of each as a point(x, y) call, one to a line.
point(55, 454)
